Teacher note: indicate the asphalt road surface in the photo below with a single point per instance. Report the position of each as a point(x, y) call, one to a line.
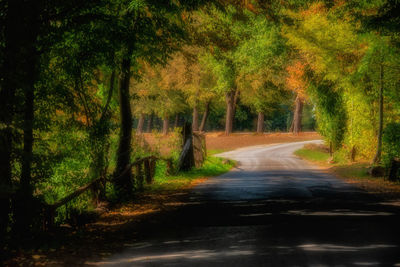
point(272, 210)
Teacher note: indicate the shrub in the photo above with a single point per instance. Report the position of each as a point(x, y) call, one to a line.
point(391, 143)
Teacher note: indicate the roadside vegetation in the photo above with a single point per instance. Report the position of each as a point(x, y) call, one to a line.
point(212, 166)
point(81, 81)
point(357, 173)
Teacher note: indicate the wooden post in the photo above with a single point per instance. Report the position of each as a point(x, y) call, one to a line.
point(153, 163)
point(198, 150)
point(170, 167)
point(139, 176)
point(147, 171)
point(186, 158)
point(394, 169)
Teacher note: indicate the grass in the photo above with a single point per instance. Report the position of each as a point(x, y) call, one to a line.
point(213, 166)
point(215, 151)
point(312, 155)
point(354, 173)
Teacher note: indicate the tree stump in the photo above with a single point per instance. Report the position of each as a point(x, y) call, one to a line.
point(394, 169)
point(186, 158)
point(147, 171)
point(199, 141)
point(139, 176)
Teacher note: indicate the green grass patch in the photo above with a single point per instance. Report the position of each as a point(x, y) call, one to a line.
point(312, 155)
point(215, 151)
point(213, 166)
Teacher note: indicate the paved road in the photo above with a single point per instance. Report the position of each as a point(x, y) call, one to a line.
point(272, 210)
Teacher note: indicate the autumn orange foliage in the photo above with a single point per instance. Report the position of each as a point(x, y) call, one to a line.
point(295, 80)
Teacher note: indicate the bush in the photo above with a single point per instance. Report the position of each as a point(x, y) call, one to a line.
point(391, 143)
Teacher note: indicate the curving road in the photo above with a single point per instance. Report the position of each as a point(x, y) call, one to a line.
point(272, 210)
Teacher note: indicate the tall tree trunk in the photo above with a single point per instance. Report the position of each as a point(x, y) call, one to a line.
point(24, 208)
point(28, 143)
point(9, 83)
point(150, 123)
point(229, 99)
point(176, 122)
point(140, 124)
point(260, 122)
point(377, 156)
point(195, 123)
point(165, 125)
point(205, 116)
point(298, 114)
point(123, 179)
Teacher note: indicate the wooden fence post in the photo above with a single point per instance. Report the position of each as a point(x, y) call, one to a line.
point(199, 149)
point(139, 176)
point(147, 171)
point(186, 158)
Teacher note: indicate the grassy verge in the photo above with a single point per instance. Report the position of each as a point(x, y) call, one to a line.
point(312, 155)
point(213, 166)
point(355, 173)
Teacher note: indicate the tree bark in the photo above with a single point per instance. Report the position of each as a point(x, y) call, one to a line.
point(205, 116)
point(165, 125)
point(140, 124)
point(12, 42)
point(229, 99)
point(377, 156)
point(150, 123)
point(176, 123)
point(260, 122)
point(123, 181)
point(235, 101)
point(195, 123)
point(27, 76)
point(298, 114)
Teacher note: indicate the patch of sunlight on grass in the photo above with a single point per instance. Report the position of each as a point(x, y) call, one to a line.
point(215, 151)
point(312, 155)
point(213, 166)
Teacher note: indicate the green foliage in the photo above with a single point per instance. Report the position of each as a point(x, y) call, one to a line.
point(391, 143)
point(331, 116)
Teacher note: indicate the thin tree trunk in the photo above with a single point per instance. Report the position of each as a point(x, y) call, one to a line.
point(140, 124)
point(28, 143)
point(298, 114)
point(110, 93)
point(150, 123)
point(229, 99)
point(260, 122)
point(377, 156)
point(124, 178)
point(235, 101)
point(176, 122)
point(165, 125)
point(205, 116)
point(195, 123)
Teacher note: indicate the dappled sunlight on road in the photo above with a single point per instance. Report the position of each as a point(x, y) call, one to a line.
point(181, 255)
point(274, 210)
